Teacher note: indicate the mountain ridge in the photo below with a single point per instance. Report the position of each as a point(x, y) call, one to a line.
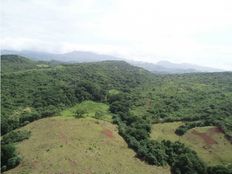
point(161, 67)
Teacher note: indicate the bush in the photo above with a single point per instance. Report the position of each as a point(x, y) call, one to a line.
point(219, 170)
point(79, 113)
point(9, 158)
point(98, 114)
point(15, 136)
point(29, 116)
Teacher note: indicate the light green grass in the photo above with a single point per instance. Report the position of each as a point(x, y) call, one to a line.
point(90, 108)
point(42, 66)
point(113, 92)
point(219, 153)
point(78, 146)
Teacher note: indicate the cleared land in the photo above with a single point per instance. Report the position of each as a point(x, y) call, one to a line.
point(82, 146)
point(209, 142)
point(90, 109)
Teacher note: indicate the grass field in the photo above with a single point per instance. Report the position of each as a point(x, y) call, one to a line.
point(66, 145)
point(209, 143)
point(90, 109)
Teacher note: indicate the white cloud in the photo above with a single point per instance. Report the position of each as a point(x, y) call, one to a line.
point(195, 31)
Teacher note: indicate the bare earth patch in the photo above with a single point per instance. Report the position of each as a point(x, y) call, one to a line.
point(207, 138)
point(108, 133)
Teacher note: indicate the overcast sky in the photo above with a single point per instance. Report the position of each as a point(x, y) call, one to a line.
point(192, 31)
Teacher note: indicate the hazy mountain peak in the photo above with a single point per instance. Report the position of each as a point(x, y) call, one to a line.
point(163, 66)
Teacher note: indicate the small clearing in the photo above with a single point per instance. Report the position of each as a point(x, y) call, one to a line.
point(209, 142)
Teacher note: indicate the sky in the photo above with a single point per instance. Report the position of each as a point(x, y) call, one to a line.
point(191, 31)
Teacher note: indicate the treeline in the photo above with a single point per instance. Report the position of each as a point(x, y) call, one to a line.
point(136, 130)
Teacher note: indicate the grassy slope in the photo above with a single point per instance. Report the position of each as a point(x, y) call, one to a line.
point(90, 108)
point(68, 145)
point(219, 153)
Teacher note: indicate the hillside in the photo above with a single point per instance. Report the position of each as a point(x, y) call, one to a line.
point(11, 63)
point(207, 141)
point(130, 97)
point(45, 91)
point(16, 63)
point(61, 145)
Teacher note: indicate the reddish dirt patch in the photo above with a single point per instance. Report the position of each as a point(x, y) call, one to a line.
point(108, 133)
point(206, 137)
point(215, 130)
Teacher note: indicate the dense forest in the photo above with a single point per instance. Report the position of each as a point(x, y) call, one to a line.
point(32, 90)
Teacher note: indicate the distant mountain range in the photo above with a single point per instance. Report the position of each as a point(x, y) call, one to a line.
point(83, 56)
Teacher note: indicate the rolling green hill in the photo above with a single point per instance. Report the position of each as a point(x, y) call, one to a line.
point(125, 95)
point(209, 142)
point(13, 63)
point(68, 145)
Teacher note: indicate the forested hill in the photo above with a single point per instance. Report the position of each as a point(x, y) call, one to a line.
point(137, 99)
point(10, 63)
point(16, 63)
point(32, 93)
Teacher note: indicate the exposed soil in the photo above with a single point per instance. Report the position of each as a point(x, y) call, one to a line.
point(108, 133)
point(215, 130)
point(206, 136)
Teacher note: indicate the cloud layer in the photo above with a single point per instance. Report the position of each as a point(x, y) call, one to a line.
point(194, 31)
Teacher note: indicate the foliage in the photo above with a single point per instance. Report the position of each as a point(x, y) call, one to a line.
point(9, 158)
point(138, 99)
point(49, 90)
point(220, 170)
point(79, 114)
point(136, 130)
point(15, 136)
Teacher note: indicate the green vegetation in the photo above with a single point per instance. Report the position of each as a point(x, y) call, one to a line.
point(88, 109)
point(136, 130)
point(49, 91)
point(9, 156)
point(137, 99)
point(201, 99)
point(15, 136)
point(68, 145)
point(14, 63)
point(209, 142)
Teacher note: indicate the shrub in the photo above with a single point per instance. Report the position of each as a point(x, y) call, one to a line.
point(15, 136)
point(79, 113)
point(9, 158)
point(98, 114)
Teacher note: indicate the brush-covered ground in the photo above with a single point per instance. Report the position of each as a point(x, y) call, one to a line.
point(209, 142)
point(71, 146)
